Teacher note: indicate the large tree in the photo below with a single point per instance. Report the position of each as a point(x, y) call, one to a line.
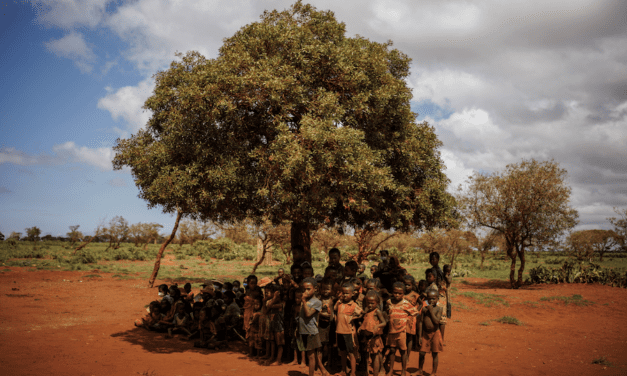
point(292, 121)
point(528, 203)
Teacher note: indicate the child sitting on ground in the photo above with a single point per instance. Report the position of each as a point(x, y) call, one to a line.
point(399, 311)
point(429, 337)
point(181, 320)
point(346, 310)
point(371, 330)
point(152, 319)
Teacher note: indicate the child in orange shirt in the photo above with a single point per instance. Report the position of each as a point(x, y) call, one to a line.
point(346, 310)
point(399, 311)
point(371, 330)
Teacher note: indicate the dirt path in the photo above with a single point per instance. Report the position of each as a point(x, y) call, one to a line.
point(51, 323)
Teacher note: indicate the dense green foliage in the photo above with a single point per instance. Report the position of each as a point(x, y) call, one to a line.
point(292, 121)
point(578, 272)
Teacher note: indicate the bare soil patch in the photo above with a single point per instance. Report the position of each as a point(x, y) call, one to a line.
point(64, 323)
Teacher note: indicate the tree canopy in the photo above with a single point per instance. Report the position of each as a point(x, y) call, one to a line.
point(528, 203)
point(292, 121)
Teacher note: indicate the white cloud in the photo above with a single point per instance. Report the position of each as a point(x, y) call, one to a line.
point(127, 103)
point(100, 157)
point(63, 153)
point(67, 14)
point(74, 47)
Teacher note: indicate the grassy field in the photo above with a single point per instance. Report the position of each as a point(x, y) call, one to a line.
point(227, 259)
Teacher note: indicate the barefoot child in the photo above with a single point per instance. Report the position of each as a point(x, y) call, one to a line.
point(326, 317)
point(411, 296)
point(308, 326)
point(297, 344)
point(277, 340)
point(346, 310)
point(429, 336)
point(399, 311)
point(371, 330)
point(252, 334)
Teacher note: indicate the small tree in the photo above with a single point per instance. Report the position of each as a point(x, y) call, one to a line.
point(620, 227)
point(74, 235)
point(117, 231)
point(528, 203)
point(33, 233)
point(1, 237)
point(486, 243)
point(370, 239)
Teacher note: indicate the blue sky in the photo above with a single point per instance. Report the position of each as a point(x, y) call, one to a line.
point(537, 79)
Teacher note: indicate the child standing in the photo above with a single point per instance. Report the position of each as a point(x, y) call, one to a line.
point(308, 326)
point(326, 317)
point(252, 292)
point(429, 336)
point(277, 339)
point(399, 311)
point(371, 330)
point(297, 344)
point(252, 334)
point(346, 310)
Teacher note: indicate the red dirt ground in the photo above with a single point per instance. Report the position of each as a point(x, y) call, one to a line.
point(61, 323)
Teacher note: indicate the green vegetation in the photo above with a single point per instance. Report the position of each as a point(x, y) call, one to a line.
point(485, 323)
point(576, 299)
point(509, 320)
point(487, 300)
point(579, 272)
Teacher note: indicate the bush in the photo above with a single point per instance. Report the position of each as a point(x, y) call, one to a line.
point(225, 249)
point(83, 257)
point(578, 272)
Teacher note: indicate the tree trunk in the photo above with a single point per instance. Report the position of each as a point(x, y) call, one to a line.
point(521, 256)
point(167, 241)
point(300, 234)
point(482, 260)
point(146, 244)
point(262, 252)
point(512, 270)
point(84, 244)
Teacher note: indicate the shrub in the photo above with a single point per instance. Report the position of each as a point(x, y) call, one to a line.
point(225, 249)
point(578, 272)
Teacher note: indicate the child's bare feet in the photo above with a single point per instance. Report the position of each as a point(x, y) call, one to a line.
point(419, 373)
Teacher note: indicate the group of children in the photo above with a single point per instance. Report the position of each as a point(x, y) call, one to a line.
point(362, 320)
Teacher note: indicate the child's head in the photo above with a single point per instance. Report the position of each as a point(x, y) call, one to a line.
point(309, 287)
point(228, 286)
point(347, 292)
point(446, 269)
point(187, 287)
point(356, 282)
point(326, 287)
point(373, 269)
point(165, 306)
point(154, 307)
point(372, 300)
point(268, 291)
point(257, 304)
point(229, 297)
point(361, 269)
point(373, 284)
point(298, 294)
point(434, 258)
point(175, 293)
point(330, 272)
point(281, 272)
point(252, 282)
point(236, 284)
point(432, 297)
point(409, 283)
point(196, 309)
point(429, 276)
point(308, 271)
point(422, 286)
point(398, 291)
point(205, 314)
point(180, 308)
point(297, 273)
point(334, 256)
point(384, 255)
point(350, 269)
point(163, 290)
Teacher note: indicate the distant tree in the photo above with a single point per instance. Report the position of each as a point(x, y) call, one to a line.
point(370, 239)
point(292, 121)
point(486, 243)
point(47, 237)
point(620, 227)
point(586, 243)
point(326, 238)
point(74, 235)
point(190, 231)
point(15, 235)
point(117, 231)
point(32, 233)
point(269, 237)
point(528, 203)
point(1, 236)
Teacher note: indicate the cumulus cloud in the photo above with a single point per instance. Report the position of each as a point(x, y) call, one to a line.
point(127, 103)
point(67, 152)
point(67, 14)
point(74, 47)
point(535, 79)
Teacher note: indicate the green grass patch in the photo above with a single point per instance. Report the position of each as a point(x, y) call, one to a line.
point(461, 305)
point(576, 299)
point(509, 320)
point(602, 361)
point(485, 323)
point(487, 300)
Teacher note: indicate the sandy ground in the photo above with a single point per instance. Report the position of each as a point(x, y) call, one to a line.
point(61, 323)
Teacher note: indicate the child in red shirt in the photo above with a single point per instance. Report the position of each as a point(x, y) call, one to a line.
point(399, 311)
point(371, 330)
point(346, 310)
